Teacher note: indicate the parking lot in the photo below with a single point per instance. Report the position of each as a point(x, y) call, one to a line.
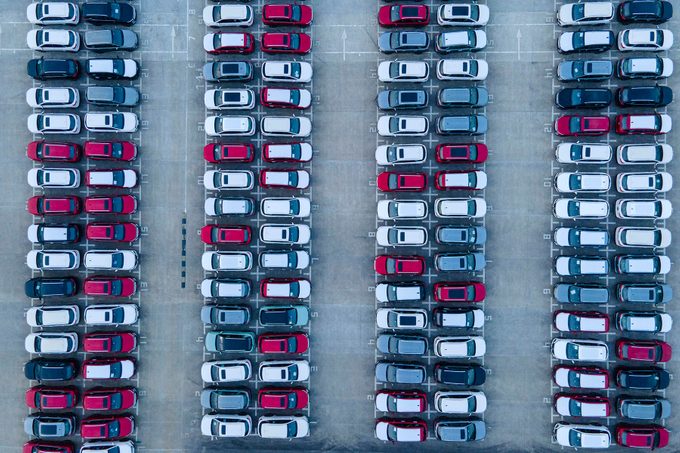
point(521, 54)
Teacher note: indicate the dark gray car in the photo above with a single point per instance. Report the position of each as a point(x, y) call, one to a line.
point(225, 399)
point(472, 97)
point(462, 125)
point(400, 373)
point(451, 235)
point(403, 41)
point(581, 294)
point(227, 71)
point(466, 262)
point(460, 430)
point(226, 315)
point(46, 426)
point(402, 99)
point(112, 95)
point(107, 40)
point(644, 293)
point(584, 70)
point(401, 344)
point(643, 409)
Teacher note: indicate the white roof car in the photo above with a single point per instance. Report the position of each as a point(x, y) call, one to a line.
point(643, 209)
point(462, 69)
point(402, 209)
point(645, 39)
point(583, 153)
point(227, 261)
point(212, 287)
point(660, 123)
point(643, 264)
point(647, 67)
point(53, 13)
point(575, 265)
point(644, 321)
point(652, 153)
point(579, 208)
point(590, 13)
point(299, 97)
point(286, 126)
point(108, 66)
point(285, 234)
point(401, 318)
point(53, 123)
point(403, 71)
point(228, 179)
point(463, 40)
point(228, 16)
point(568, 378)
point(580, 237)
point(586, 323)
point(298, 179)
point(282, 427)
point(112, 178)
point(460, 207)
point(385, 402)
point(111, 260)
point(44, 232)
point(644, 182)
point(400, 154)
point(299, 289)
point(217, 126)
point(226, 371)
point(643, 237)
point(398, 433)
point(463, 14)
point(465, 402)
point(284, 370)
point(286, 71)
point(53, 315)
point(51, 343)
point(284, 259)
point(53, 178)
point(223, 99)
point(111, 315)
point(285, 207)
point(223, 425)
point(573, 182)
point(301, 152)
point(564, 405)
point(582, 435)
point(51, 98)
point(580, 350)
point(459, 347)
point(119, 446)
point(53, 40)
point(460, 318)
point(228, 206)
point(42, 260)
point(474, 180)
point(111, 122)
point(387, 236)
point(104, 371)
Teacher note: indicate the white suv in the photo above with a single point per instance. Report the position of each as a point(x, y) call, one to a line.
point(111, 122)
point(403, 71)
point(111, 315)
point(402, 125)
point(400, 154)
point(111, 260)
point(228, 180)
point(217, 126)
point(286, 126)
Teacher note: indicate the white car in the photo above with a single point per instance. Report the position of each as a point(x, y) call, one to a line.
point(583, 153)
point(460, 41)
point(53, 13)
point(386, 431)
point(387, 236)
point(567, 377)
point(585, 322)
point(226, 371)
point(462, 402)
point(52, 98)
point(642, 264)
point(51, 343)
point(575, 182)
point(228, 16)
point(298, 98)
point(289, 179)
point(284, 370)
point(285, 207)
point(228, 180)
point(48, 260)
point(579, 350)
point(111, 315)
point(125, 178)
point(401, 318)
point(121, 369)
point(229, 206)
point(580, 208)
point(403, 126)
point(645, 68)
point(287, 71)
point(400, 154)
point(235, 288)
point(591, 13)
point(53, 40)
point(462, 69)
point(577, 266)
point(227, 261)
point(403, 71)
point(229, 99)
point(642, 237)
point(660, 123)
point(460, 207)
point(644, 182)
point(43, 232)
point(53, 178)
point(386, 402)
point(111, 260)
point(218, 126)
point(300, 288)
point(226, 425)
point(53, 123)
point(282, 427)
point(402, 209)
point(643, 209)
point(581, 237)
point(399, 292)
point(121, 67)
point(653, 153)
point(463, 14)
point(582, 435)
point(285, 234)
point(459, 347)
point(53, 316)
point(644, 321)
point(650, 39)
point(111, 122)
point(284, 259)
point(286, 152)
point(286, 126)
point(219, 41)
point(119, 446)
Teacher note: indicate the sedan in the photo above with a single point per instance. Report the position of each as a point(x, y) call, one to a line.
point(460, 41)
point(52, 98)
point(282, 427)
point(49, 398)
point(227, 42)
point(283, 343)
point(293, 43)
point(51, 68)
point(226, 426)
point(112, 122)
point(460, 375)
point(225, 315)
point(581, 435)
point(575, 182)
point(401, 236)
point(296, 98)
point(593, 13)
point(48, 260)
point(109, 150)
point(101, 13)
point(110, 40)
point(51, 343)
point(464, 14)
point(117, 232)
point(587, 98)
point(53, 123)
point(110, 368)
point(460, 431)
point(287, 152)
point(583, 153)
point(225, 153)
point(400, 373)
point(53, 178)
point(580, 208)
point(284, 259)
point(643, 350)
point(109, 399)
point(579, 350)
point(400, 154)
point(570, 405)
point(651, 11)
point(42, 151)
point(585, 41)
point(110, 342)
point(111, 260)
point(285, 207)
point(110, 286)
point(228, 16)
point(584, 70)
point(473, 153)
point(404, 16)
point(53, 315)
point(287, 71)
point(643, 237)
point(227, 261)
point(395, 126)
point(112, 68)
point(401, 401)
point(53, 40)
point(581, 321)
point(459, 292)
point(644, 124)
point(113, 96)
point(53, 13)
point(403, 42)
point(644, 321)
point(284, 315)
point(649, 437)
point(114, 178)
point(285, 126)
point(575, 125)
point(462, 69)
point(399, 292)
point(643, 96)
point(48, 427)
point(401, 430)
point(401, 182)
point(226, 371)
point(647, 379)
point(460, 207)
point(282, 398)
point(287, 14)
point(401, 318)
point(111, 427)
point(284, 179)
point(645, 409)
point(403, 71)
point(284, 371)
point(285, 288)
point(645, 39)
point(229, 342)
point(285, 234)
point(578, 377)
point(50, 370)
point(111, 315)
point(401, 209)
point(399, 265)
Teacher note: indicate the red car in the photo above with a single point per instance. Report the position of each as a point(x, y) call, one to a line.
point(404, 15)
point(226, 234)
point(643, 351)
point(113, 342)
point(287, 14)
point(41, 151)
point(217, 153)
point(283, 343)
point(44, 206)
point(471, 153)
point(118, 232)
point(643, 124)
point(401, 182)
point(399, 265)
point(229, 42)
point(459, 292)
point(574, 125)
point(46, 398)
point(110, 286)
point(647, 436)
point(120, 151)
point(122, 204)
point(113, 427)
point(109, 399)
point(413, 400)
point(297, 43)
point(285, 98)
point(282, 398)
point(41, 446)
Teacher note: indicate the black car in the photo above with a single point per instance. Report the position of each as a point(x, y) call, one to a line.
point(108, 13)
point(287, 315)
point(460, 375)
point(110, 40)
point(50, 370)
point(51, 287)
point(652, 11)
point(228, 71)
point(593, 98)
point(584, 70)
point(52, 68)
point(651, 379)
point(112, 95)
point(402, 99)
point(472, 97)
point(656, 96)
point(404, 41)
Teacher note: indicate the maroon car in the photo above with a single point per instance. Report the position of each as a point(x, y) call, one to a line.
point(110, 342)
point(45, 206)
point(48, 398)
point(404, 16)
point(226, 234)
point(217, 153)
point(109, 399)
point(283, 343)
point(110, 286)
point(122, 204)
point(401, 182)
point(282, 398)
point(286, 14)
point(43, 446)
point(112, 427)
point(116, 232)
point(399, 265)
point(295, 43)
point(648, 437)
point(643, 350)
point(459, 292)
point(575, 125)
point(120, 151)
point(461, 153)
point(42, 151)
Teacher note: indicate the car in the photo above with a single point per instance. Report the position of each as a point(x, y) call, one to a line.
point(229, 342)
point(457, 262)
point(579, 350)
point(643, 350)
point(654, 124)
point(40, 446)
point(581, 321)
point(581, 265)
point(387, 236)
point(228, 180)
point(584, 70)
point(110, 286)
point(53, 13)
point(459, 347)
point(577, 125)
point(228, 42)
point(644, 321)
point(462, 125)
point(462, 153)
point(225, 315)
point(52, 68)
point(644, 293)
point(227, 261)
point(228, 15)
point(460, 41)
point(53, 315)
point(121, 204)
point(402, 125)
point(112, 122)
point(651, 11)
point(580, 294)
point(53, 178)
point(110, 342)
point(228, 71)
point(111, 368)
point(643, 408)
point(287, 14)
point(403, 42)
point(123, 178)
point(286, 179)
point(583, 153)
point(404, 15)
point(111, 315)
point(401, 401)
point(645, 39)
point(644, 68)
point(296, 98)
point(581, 237)
point(287, 152)
point(43, 151)
point(401, 318)
point(50, 398)
point(40, 287)
point(219, 126)
point(643, 209)
point(400, 154)
point(642, 264)
point(285, 207)
point(222, 288)
point(284, 259)
point(225, 399)
point(53, 123)
point(585, 41)
point(48, 260)
point(51, 343)
point(401, 430)
point(403, 71)
point(286, 71)
point(283, 371)
point(100, 13)
point(284, 315)
point(290, 43)
point(401, 182)
point(228, 152)
point(112, 260)
point(285, 234)
point(580, 208)
point(460, 207)
point(43, 233)
point(401, 209)
point(649, 436)
point(460, 180)
point(49, 426)
point(219, 371)
point(111, 40)
point(282, 427)
point(575, 182)
point(459, 292)
point(283, 343)
point(112, 68)
point(53, 40)
point(113, 96)
point(451, 235)
point(592, 13)
point(399, 265)
point(647, 379)
point(110, 427)
point(399, 292)
point(462, 69)
point(644, 96)
point(579, 435)
point(464, 14)
point(109, 399)
point(50, 370)
point(226, 426)
point(285, 288)
point(51, 98)
point(285, 126)
point(459, 375)
point(400, 373)
point(580, 377)
point(471, 97)
point(647, 182)
point(460, 431)
point(587, 98)
point(123, 151)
